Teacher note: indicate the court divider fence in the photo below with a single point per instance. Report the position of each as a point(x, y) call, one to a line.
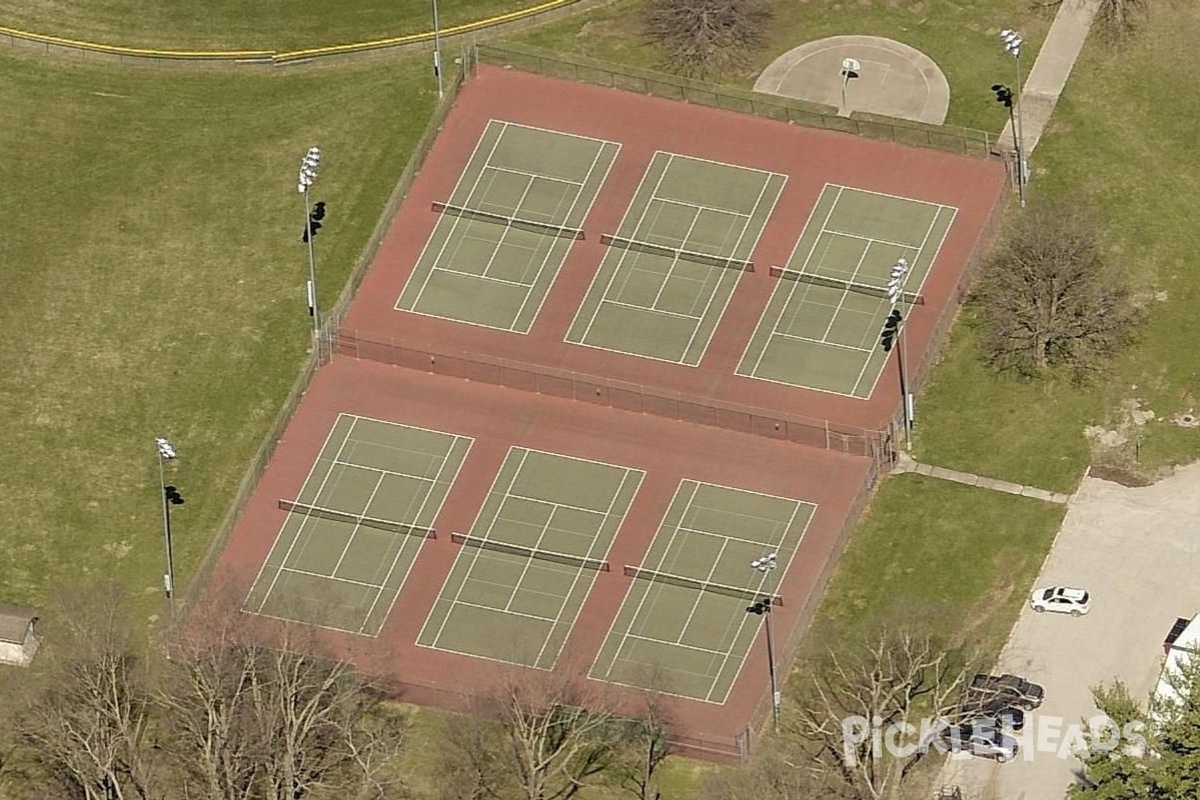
point(966, 141)
point(623, 395)
point(876, 445)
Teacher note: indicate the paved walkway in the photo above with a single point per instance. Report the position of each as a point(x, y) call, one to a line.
point(906, 463)
point(1041, 90)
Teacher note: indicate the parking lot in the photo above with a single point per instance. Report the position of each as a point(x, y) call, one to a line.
point(1137, 551)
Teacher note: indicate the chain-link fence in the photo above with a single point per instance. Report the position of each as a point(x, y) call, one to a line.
point(675, 87)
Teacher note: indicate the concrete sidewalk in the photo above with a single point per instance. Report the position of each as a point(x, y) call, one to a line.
point(1041, 90)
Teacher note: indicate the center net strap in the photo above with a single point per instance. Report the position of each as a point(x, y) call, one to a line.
point(528, 552)
point(844, 285)
point(532, 226)
point(354, 519)
point(676, 253)
point(749, 595)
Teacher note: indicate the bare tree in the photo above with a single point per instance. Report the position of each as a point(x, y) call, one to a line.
point(644, 746)
point(1116, 20)
point(772, 773)
point(1047, 298)
point(534, 736)
point(707, 38)
point(88, 728)
point(896, 677)
point(256, 714)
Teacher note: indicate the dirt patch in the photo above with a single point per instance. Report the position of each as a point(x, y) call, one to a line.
point(1120, 475)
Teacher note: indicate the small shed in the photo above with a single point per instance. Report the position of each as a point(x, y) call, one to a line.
point(18, 635)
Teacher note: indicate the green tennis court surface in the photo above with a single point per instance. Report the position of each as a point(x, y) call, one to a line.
point(510, 222)
point(692, 641)
point(519, 607)
point(327, 570)
point(827, 337)
point(688, 234)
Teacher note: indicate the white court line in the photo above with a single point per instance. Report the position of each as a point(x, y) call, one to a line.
point(532, 175)
point(736, 245)
point(680, 644)
point(322, 576)
point(457, 220)
point(579, 574)
point(637, 612)
point(303, 522)
point(712, 569)
point(671, 269)
point(570, 210)
point(485, 277)
point(932, 260)
point(555, 504)
point(676, 314)
point(795, 337)
point(507, 230)
point(872, 239)
point(307, 478)
point(753, 373)
point(537, 545)
point(357, 526)
point(786, 569)
point(624, 253)
point(469, 604)
point(837, 312)
point(924, 241)
point(420, 511)
point(676, 202)
point(475, 556)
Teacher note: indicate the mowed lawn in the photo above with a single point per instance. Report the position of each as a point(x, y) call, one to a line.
point(241, 25)
point(961, 36)
point(1123, 140)
point(154, 281)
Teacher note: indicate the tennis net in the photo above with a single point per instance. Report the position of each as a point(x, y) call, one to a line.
point(749, 595)
point(548, 228)
point(676, 253)
point(354, 519)
point(844, 285)
point(528, 552)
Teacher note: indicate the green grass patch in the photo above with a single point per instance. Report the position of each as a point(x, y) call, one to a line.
point(240, 25)
point(960, 36)
point(155, 278)
point(1123, 138)
point(937, 556)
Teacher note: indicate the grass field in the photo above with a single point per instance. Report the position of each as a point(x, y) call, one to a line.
point(154, 278)
point(1134, 166)
point(238, 25)
point(959, 36)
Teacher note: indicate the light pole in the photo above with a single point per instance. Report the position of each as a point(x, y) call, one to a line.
point(308, 175)
point(765, 564)
point(1004, 96)
point(437, 49)
point(1012, 45)
point(170, 497)
point(895, 291)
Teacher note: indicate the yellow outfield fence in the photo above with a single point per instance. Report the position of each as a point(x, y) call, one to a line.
point(67, 46)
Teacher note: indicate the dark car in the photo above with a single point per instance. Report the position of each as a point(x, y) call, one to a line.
point(981, 737)
point(989, 695)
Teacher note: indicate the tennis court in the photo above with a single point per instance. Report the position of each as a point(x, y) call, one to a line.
point(821, 327)
point(352, 534)
point(683, 627)
point(530, 558)
point(508, 226)
point(676, 258)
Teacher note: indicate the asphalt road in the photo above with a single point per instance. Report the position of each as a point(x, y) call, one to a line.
point(1137, 551)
